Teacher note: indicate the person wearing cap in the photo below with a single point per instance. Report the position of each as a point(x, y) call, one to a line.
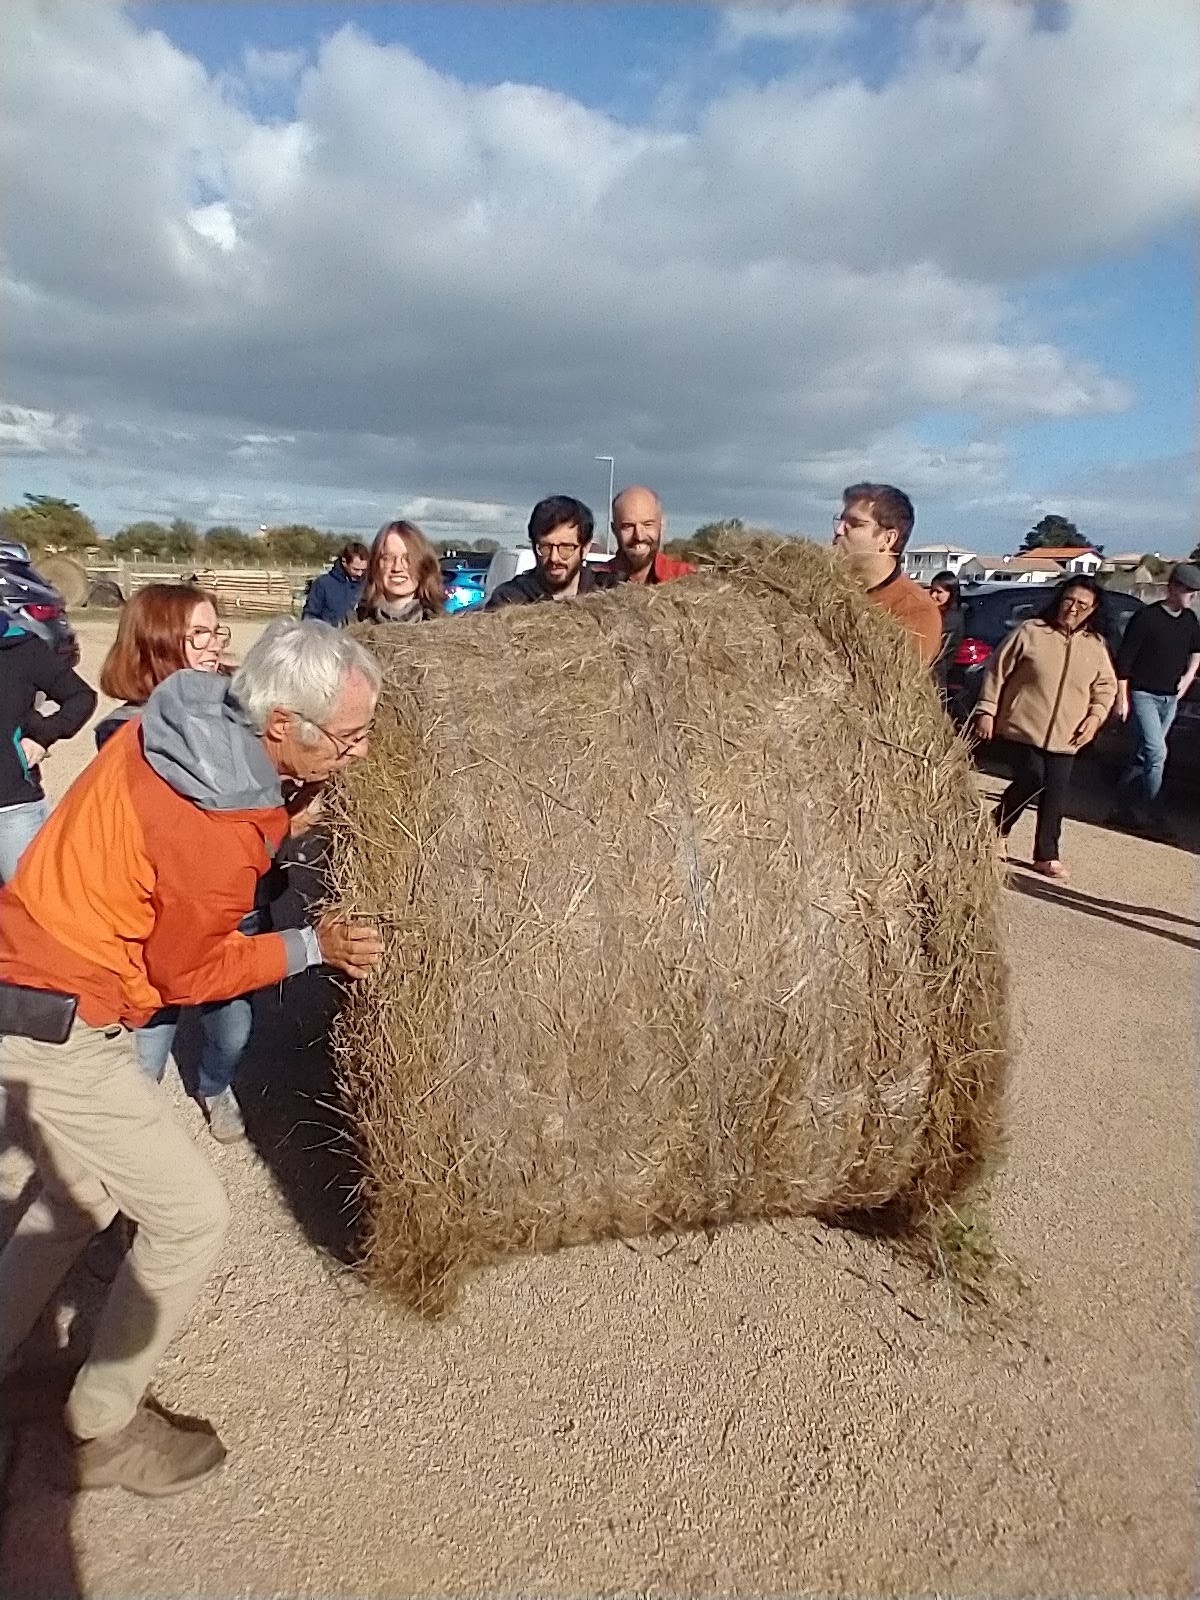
point(1156, 664)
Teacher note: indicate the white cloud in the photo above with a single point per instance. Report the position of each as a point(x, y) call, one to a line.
point(460, 293)
point(215, 223)
point(25, 431)
point(272, 67)
point(809, 20)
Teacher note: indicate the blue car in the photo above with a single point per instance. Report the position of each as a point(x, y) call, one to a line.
point(465, 580)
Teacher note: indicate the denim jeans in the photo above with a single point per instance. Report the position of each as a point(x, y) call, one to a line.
point(18, 824)
point(225, 1026)
point(1141, 785)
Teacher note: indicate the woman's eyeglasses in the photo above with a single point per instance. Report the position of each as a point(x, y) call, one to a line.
point(198, 638)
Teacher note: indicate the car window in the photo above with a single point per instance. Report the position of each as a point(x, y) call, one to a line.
point(991, 617)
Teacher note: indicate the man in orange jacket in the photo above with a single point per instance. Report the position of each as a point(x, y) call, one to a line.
point(871, 532)
point(129, 899)
point(638, 523)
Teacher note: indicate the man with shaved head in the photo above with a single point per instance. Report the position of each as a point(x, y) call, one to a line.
point(638, 522)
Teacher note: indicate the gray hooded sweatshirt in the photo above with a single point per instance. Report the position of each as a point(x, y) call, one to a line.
point(198, 739)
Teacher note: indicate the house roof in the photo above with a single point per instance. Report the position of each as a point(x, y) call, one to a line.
point(939, 550)
point(1127, 558)
point(1066, 552)
point(1040, 563)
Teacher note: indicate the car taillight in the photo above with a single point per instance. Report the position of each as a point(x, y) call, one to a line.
point(41, 613)
point(972, 653)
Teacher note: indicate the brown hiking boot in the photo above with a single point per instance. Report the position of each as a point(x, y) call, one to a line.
point(153, 1455)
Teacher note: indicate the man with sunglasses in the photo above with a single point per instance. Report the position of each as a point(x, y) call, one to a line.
point(130, 899)
point(560, 531)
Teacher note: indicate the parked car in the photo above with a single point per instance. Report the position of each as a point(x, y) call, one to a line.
point(465, 580)
point(32, 603)
point(992, 610)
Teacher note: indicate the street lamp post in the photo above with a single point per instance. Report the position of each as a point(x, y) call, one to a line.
point(612, 467)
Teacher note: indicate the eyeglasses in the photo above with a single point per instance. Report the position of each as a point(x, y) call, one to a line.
point(344, 747)
point(555, 549)
point(199, 637)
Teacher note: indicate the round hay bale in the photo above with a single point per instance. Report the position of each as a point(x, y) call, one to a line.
point(107, 593)
point(68, 577)
point(690, 915)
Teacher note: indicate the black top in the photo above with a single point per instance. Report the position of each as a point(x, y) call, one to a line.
point(28, 665)
point(1157, 647)
point(953, 630)
point(528, 588)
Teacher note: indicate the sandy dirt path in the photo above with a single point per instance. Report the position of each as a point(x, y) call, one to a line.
point(774, 1411)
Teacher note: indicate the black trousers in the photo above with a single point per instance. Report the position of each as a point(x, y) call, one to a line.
point(1044, 776)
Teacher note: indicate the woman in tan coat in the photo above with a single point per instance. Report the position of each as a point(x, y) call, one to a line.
point(1048, 690)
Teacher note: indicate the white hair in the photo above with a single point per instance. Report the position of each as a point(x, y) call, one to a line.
point(300, 667)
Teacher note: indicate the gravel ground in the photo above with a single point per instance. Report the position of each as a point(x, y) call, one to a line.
point(773, 1411)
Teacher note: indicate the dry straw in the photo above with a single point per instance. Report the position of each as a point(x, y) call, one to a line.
point(690, 918)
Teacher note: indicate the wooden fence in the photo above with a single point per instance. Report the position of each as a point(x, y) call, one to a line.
point(239, 591)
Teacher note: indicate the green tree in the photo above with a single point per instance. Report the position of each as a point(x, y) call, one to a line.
point(224, 546)
point(1054, 533)
point(182, 540)
point(297, 545)
point(1195, 555)
point(147, 539)
point(709, 532)
point(48, 523)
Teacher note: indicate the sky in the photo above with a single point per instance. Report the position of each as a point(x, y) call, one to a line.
point(340, 263)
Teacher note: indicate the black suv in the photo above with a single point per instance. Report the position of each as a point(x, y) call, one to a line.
point(992, 610)
point(32, 603)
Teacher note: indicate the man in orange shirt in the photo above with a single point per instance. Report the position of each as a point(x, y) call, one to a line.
point(871, 532)
point(129, 899)
point(638, 523)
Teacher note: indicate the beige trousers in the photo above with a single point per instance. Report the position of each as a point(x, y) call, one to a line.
point(104, 1140)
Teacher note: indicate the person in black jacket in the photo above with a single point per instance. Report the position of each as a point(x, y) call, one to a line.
point(333, 596)
point(947, 596)
point(29, 666)
point(560, 531)
point(1157, 663)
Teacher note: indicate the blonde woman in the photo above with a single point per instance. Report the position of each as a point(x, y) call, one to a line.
point(404, 577)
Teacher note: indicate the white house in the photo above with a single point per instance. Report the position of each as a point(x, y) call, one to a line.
point(1078, 560)
point(1019, 569)
point(925, 561)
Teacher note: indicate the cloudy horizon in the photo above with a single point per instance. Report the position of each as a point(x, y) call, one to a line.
point(327, 267)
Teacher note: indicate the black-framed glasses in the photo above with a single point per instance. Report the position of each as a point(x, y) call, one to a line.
point(548, 548)
point(344, 747)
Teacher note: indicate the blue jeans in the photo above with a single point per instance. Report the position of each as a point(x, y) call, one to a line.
point(1141, 784)
point(18, 824)
point(225, 1025)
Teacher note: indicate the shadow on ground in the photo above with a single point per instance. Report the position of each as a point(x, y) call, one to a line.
point(1092, 797)
point(286, 1082)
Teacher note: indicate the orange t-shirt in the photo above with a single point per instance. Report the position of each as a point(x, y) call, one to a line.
point(914, 609)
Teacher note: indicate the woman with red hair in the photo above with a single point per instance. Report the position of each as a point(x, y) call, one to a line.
point(404, 577)
point(166, 627)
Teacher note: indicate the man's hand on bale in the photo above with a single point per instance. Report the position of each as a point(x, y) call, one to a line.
point(353, 947)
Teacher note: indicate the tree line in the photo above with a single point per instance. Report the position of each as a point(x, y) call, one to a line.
point(46, 523)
